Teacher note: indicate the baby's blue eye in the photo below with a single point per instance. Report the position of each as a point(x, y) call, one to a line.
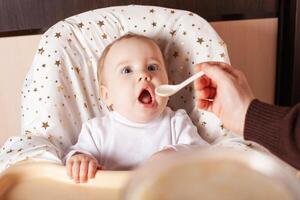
point(126, 70)
point(152, 67)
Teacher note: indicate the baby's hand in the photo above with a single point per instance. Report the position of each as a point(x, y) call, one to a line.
point(81, 167)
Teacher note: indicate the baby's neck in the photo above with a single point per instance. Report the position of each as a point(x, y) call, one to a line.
point(121, 118)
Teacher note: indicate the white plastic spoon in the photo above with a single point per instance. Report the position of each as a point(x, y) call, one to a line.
point(168, 90)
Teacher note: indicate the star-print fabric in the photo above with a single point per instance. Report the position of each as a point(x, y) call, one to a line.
point(60, 91)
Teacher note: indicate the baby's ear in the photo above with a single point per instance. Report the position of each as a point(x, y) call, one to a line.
point(104, 95)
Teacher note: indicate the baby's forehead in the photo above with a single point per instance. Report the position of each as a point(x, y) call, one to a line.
point(136, 39)
point(134, 44)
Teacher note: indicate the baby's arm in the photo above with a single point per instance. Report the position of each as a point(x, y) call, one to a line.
point(81, 167)
point(186, 133)
point(82, 158)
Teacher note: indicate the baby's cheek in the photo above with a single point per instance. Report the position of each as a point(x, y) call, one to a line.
point(122, 93)
point(160, 79)
point(162, 101)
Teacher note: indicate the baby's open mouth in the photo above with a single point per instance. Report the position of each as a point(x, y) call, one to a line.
point(145, 97)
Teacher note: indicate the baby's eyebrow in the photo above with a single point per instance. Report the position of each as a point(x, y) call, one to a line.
point(156, 60)
point(120, 64)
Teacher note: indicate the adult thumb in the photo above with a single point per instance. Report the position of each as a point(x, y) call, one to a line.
point(216, 72)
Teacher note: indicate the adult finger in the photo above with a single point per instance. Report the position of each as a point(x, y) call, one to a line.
point(216, 73)
point(204, 104)
point(219, 64)
point(198, 67)
point(206, 93)
point(202, 82)
point(226, 67)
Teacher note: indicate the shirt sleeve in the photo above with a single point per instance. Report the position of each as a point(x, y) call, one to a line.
point(277, 128)
point(86, 144)
point(186, 134)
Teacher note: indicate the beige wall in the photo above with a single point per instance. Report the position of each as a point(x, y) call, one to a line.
point(251, 44)
point(16, 55)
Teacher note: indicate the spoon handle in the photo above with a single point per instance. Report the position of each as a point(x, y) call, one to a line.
point(192, 78)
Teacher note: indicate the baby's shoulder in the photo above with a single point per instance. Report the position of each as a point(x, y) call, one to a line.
point(97, 122)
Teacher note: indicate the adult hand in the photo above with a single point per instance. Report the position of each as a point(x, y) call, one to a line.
point(224, 91)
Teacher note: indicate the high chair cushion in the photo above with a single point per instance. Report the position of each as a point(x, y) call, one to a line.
point(61, 89)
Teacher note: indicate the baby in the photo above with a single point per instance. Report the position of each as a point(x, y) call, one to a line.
point(139, 124)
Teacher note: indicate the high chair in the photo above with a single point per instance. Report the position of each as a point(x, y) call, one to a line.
point(61, 92)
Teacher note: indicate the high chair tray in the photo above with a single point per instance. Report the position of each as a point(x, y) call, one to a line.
point(41, 180)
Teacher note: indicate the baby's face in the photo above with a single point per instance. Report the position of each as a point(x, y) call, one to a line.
point(133, 68)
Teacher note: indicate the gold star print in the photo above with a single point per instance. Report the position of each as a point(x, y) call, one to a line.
point(100, 23)
point(104, 36)
point(175, 54)
point(172, 11)
point(191, 14)
point(57, 62)
point(200, 40)
point(45, 125)
point(222, 126)
point(57, 35)
point(60, 88)
point(152, 11)
point(77, 69)
point(249, 144)
point(41, 50)
point(50, 138)
point(173, 33)
point(222, 55)
point(184, 33)
point(9, 151)
point(80, 25)
point(221, 43)
point(153, 24)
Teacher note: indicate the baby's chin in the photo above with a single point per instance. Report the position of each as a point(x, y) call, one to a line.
point(144, 116)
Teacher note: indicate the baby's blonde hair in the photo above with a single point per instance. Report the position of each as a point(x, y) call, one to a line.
point(107, 48)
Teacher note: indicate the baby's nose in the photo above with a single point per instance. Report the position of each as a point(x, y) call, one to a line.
point(143, 76)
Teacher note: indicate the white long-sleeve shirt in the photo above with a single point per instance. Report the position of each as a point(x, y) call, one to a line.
point(119, 144)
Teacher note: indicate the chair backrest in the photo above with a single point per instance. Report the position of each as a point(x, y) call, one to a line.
point(61, 89)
